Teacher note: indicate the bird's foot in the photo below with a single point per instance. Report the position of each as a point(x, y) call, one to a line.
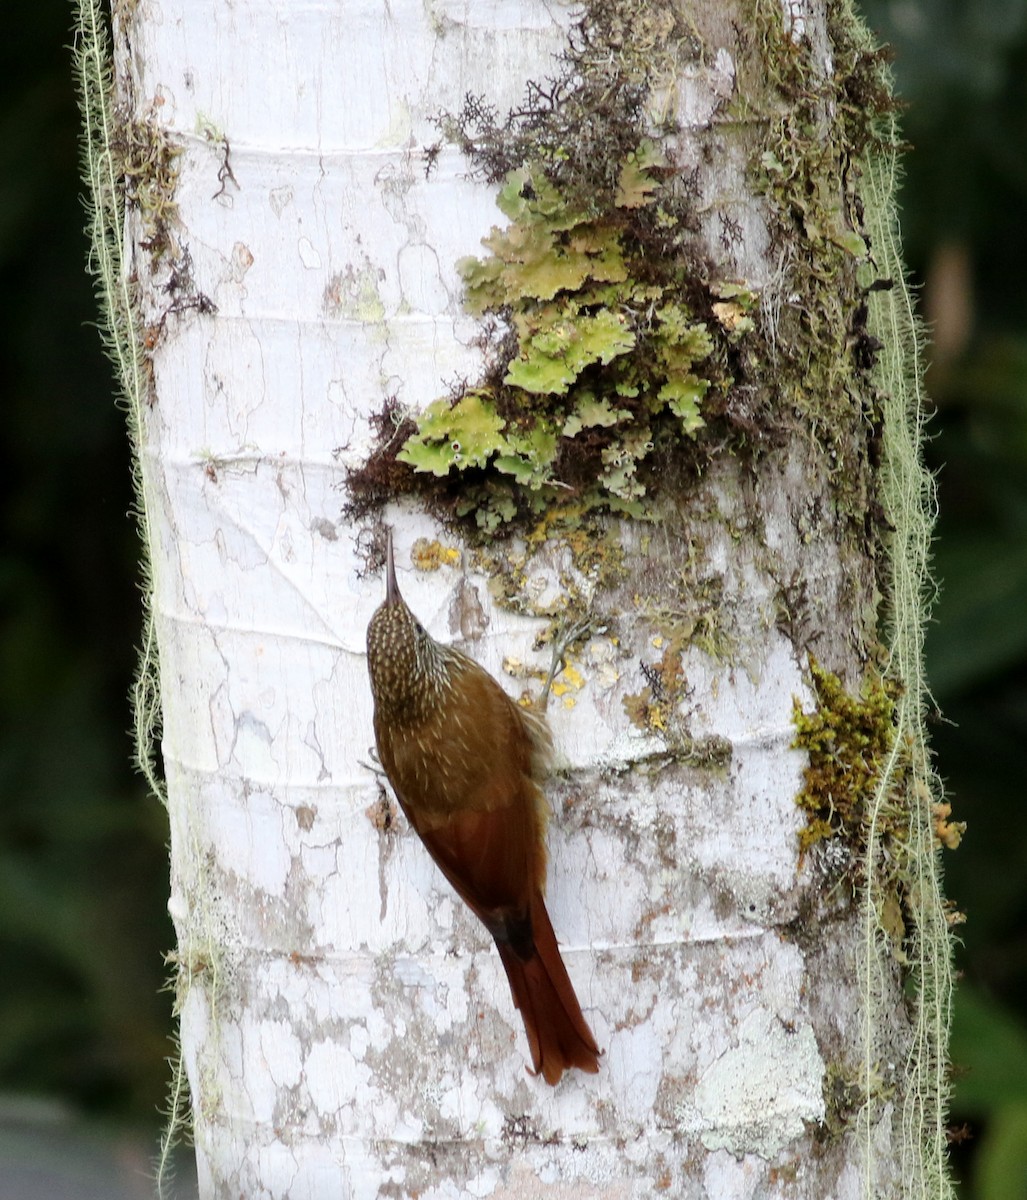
point(579, 630)
point(375, 765)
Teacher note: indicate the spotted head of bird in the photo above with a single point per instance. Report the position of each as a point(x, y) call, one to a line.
point(407, 666)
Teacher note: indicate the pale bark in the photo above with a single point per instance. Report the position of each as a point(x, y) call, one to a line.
point(346, 1026)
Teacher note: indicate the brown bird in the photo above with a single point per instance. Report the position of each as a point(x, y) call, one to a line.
point(466, 764)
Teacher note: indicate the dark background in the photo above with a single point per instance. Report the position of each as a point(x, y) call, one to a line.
point(83, 867)
point(84, 1026)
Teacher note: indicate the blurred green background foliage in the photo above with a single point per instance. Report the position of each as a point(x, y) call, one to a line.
point(83, 864)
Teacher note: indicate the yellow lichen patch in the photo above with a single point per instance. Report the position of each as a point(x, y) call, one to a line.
point(608, 358)
point(431, 555)
point(570, 679)
point(514, 667)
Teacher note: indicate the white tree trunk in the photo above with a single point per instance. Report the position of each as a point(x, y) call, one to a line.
point(346, 1026)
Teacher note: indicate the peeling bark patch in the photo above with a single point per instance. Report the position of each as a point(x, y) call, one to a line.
point(467, 617)
point(756, 1097)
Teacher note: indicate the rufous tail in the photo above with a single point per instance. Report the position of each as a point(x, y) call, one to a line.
point(558, 1035)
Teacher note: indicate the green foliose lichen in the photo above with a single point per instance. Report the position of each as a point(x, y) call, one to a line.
point(603, 358)
point(611, 340)
point(621, 353)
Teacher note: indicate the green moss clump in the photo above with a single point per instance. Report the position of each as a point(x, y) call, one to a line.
point(847, 739)
point(147, 159)
point(819, 131)
point(852, 745)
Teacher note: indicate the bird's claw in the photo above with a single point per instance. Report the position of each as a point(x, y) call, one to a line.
point(577, 631)
point(375, 765)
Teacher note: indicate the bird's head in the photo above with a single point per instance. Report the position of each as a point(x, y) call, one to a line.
point(405, 663)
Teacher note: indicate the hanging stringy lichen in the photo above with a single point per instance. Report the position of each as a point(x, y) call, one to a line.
point(847, 348)
point(903, 912)
point(907, 497)
point(112, 152)
point(129, 162)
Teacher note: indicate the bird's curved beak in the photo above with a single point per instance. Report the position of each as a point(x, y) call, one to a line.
point(391, 586)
